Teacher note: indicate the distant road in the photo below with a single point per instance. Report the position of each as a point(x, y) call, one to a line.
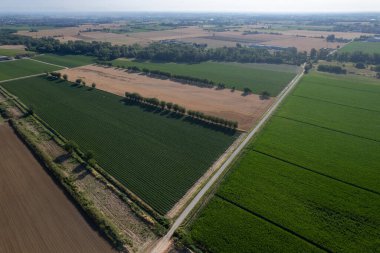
point(164, 242)
point(49, 63)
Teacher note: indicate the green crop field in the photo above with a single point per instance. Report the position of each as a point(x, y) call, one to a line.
point(365, 47)
point(257, 77)
point(222, 221)
point(70, 61)
point(13, 52)
point(158, 157)
point(313, 173)
point(24, 67)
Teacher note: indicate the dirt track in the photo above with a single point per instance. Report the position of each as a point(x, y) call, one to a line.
point(35, 215)
point(222, 103)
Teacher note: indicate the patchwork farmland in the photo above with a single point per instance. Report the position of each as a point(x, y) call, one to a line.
point(257, 77)
point(309, 182)
point(158, 156)
point(36, 215)
point(246, 110)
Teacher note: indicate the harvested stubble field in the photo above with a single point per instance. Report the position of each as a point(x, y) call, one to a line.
point(157, 155)
point(247, 110)
point(258, 77)
point(24, 67)
point(36, 216)
point(311, 175)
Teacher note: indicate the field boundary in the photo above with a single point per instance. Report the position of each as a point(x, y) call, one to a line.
point(274, 223)
point(327, 128)
point(316, 172)
point(164, 243)
point(49, 63)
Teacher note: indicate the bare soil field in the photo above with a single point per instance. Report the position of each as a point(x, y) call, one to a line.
point(247, 110)
point(36, 216)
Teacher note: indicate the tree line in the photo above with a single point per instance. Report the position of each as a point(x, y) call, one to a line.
point(199, 82)
point(163, 105)
point(189, 53)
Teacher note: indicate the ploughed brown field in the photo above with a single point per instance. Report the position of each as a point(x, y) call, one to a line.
point(246, 110)
point(35, 215)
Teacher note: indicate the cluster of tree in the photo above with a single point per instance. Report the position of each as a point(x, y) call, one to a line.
point(176, 52)
point(360, 65)
point(213, 119)
point(191, 53)
point(332, 69)
point(54, 75)
point(200, 82)
point(332, 38)
point(357, 57)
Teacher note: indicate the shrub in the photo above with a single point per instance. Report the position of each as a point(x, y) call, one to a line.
point(360, 65)
point(332, 69)
point(71, 146)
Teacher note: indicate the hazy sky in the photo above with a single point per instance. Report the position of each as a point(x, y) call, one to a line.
point(193, 5)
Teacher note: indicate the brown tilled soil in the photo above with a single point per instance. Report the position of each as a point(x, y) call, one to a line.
point(35, 214)
point(222, 103)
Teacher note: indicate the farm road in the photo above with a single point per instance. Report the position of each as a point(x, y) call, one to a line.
point(49, 63)
point(164, 243)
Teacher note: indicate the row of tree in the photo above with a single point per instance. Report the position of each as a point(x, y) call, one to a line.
point(213, 119)
point(155, 102)
point(58, 75)
point(180, 109)
point(201, 82)
point(176, 52)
